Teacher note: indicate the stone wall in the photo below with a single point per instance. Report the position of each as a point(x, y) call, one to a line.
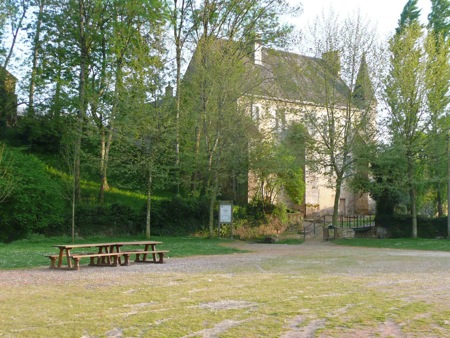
point(350, 233)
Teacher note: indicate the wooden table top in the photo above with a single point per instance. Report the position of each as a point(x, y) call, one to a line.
point(90, 245)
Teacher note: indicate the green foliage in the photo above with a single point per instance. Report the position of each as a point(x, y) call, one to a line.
point(113, 220)
point(7, 179)
point(439, 17)
point(36, 202)
point(42, 133)
point(174, 216)
point(388, 186)
point(179, 216)
point(277, 167)
point(399, 226)
point(409, 15)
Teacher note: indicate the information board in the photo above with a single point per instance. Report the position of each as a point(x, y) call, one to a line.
point(226, 213)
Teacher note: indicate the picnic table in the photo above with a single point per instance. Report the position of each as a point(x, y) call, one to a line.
point(106, 254)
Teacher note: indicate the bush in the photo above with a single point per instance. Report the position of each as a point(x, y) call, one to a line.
point(179, 216)
point(36, 203)
point(399, 226)
point(169, 217)
point(112, 220)
point(41, 133)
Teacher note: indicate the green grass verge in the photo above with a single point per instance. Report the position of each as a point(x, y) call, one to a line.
point(31, 252)
point(398, 243)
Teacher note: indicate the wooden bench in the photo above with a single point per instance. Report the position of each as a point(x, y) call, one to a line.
point(126, 254)
point(53, 259)
point(76, 258)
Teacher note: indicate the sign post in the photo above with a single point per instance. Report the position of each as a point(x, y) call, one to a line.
point(226, 215)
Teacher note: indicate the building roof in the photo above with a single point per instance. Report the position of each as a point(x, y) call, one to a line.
point(290, 76)
point(295, 77)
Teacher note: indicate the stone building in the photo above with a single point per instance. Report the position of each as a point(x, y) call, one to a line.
point(286, 87)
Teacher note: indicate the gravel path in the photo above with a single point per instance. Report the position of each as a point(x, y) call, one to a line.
point(319, 257)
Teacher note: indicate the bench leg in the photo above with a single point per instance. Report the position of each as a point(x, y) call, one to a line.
point(52, 262)
point(161, 257)
point(126, 258)
point(115, 261)
point(76, 263)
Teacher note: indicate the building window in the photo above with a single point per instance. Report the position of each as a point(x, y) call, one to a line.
point(280, 121)
point(256, 114)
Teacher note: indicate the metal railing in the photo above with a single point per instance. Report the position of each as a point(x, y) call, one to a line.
point(310, 228)
point(346, 221)
point(356, 221)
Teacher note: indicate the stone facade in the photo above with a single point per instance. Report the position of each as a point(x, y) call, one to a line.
point(288, 86)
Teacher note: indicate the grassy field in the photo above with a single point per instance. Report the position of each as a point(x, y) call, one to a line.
point(398, 243)
point(31, 253)
point(324, 290)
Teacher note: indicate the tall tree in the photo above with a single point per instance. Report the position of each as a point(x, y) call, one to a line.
point(405, 94)
point(438, 77)
point(182, 24)
point(222, 32)
point(14, 13)
point(438, 99)
point(409, 15)
point(99, 45)
point(343, 118)
point(220, 115)
point(439, 18)
point(36, 49)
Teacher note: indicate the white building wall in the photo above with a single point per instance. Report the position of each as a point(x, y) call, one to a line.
point(319, 196)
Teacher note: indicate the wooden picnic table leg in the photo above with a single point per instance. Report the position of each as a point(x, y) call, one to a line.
point(154, 254)
point(108, 258)
point(69, 263)
point(100, 259)
point(144, 258)
point(111, 249)
point(60, 257)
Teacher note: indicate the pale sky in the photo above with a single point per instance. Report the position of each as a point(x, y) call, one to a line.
point(384, 13)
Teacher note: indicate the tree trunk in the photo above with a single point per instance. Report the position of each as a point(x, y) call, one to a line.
point(81, 98)
point(412, 196)
point(337, 197)
point(149, 202)
point(35, 58)
point(73, 213)
point(15, 33)
point(448, 185)
point(440, 205)
point(104, 158)
point(178, 103)
point(212, 204)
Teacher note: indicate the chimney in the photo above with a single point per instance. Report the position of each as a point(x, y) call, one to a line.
point(258, 53)
point(333, 61)
point(257, 50)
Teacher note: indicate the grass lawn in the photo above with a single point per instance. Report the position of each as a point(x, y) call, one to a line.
point(398, 243)
point(31, 253)
point(310, 291)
